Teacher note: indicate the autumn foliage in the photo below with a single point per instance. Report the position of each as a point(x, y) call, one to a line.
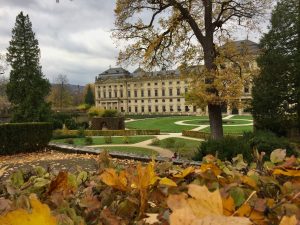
point(157, 193)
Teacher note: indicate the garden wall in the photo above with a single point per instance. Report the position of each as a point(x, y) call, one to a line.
point(108, 123)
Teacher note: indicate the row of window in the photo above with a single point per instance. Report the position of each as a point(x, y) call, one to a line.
point(142, 93)
point(142, 84)
point(156, 109)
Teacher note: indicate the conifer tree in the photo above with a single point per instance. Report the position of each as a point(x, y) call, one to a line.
point(27, 87)
point(89, 96)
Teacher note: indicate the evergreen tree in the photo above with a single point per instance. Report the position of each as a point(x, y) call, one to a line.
point(89, 96)
point(276, 92)
point(27, 87)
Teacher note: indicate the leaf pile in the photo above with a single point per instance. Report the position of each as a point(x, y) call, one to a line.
point(214, 193)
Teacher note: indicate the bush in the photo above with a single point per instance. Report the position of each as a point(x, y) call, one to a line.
point(155, 142)
point(24, 137)
point(107, 139)
point(95, 111)
point(126, 140)
point(81, 133)
point(88, 141)
point(69, 141)
point(71, 124)
point(225, 149)
point(266, 141)
point(57, 124)
point(169, 143)
point(110, 113)
point(196, 134)
point(179, 146)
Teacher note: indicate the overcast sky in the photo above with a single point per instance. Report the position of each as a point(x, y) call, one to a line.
point(74, 36)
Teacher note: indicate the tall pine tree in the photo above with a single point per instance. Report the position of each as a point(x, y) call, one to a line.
point(89, 96)
point(276, 92)
point(27, 87)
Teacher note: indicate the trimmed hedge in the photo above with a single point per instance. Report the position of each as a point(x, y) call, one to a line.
point(61, 134)
point(24, 137)
point(196, 134)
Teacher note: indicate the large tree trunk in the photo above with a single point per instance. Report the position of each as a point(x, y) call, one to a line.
point(215, 119)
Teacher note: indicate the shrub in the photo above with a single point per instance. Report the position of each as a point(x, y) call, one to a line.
point(88, 141)
point(81, 133)
point(83, 107)
point(196, 134)
point(126, 140)
point(169, 143)
point(71, 124)
point(95, 111)
point(64, 133)
point(225, 149)
point(107, 139)
point(24, 137)
point(179, 145)
point(266, 141)
point(57, 124)
point(110, 113)
point(70, 141)
point(155, 142)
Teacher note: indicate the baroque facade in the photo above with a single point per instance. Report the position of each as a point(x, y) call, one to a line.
point(159, 92)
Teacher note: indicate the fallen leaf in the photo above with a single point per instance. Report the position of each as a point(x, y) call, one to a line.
point(278, 155)
point(40, 214)
point(3, 170)
point(289, 220)
point(111, 178)
point(152, 218)
point(185, 172)
point(228, 206)
point(60, 183)
point(167, 182)
point(211, 167)
point(287, 172)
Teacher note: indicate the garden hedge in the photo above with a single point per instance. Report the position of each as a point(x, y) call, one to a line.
point(196, 134)
point(24, 137)
point(60, 134)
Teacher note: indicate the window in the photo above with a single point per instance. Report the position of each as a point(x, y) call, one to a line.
point(178, 91)
point(109, 86)
point(178, 82)
point(163, 92)
point(136, 109)
point(149, 100)
point(185, 90)
point(116, 94)
point(122, 109)
point(170, 82)
point(134, 85)
point(178, 108)
point(104, 94)
point(163, 100)
point(170, 92)
point(163, 83)
point(187, 108)
point(164, 108)
point(115, 86)
point(121, 93)
point(149, 108)
point(178, 99)
point(142, 93)
point(156, 93)
point(109, 94)
point(148, 84)
point(149, 93)
point(156, 100)
point(142, 101)
point(171, 108)
point(135, 93)
point(129, 109)
point(129, 101)
point(155, 83)
point(121, 85)
point(156, 108)
point(171, 100)
point(194, 108)
point(135, 101)
point(121, 101)
point(128, 93)
point(143, 109)
point(99, 94)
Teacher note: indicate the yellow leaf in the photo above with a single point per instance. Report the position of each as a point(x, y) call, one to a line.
point(287, 172)
point(249, 181)
point(167, 182)
point(40, 214)
point(185, 172)
point(228, 206)
point(288, 220)
point(210, 166)
point(111, 178)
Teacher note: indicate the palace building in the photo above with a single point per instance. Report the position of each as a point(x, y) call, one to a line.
point(159, 92)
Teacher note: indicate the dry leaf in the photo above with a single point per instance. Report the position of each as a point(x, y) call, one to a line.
point(278, 155)
point(60, 183)
point(185, 172)
point(211, 167)
point(152, 218)
point(288, 220)
point(167, 182)
point(40, 214)
point(287, 172)
point(111, 178)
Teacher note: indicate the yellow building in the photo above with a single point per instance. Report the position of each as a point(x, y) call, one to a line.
point(159, 92)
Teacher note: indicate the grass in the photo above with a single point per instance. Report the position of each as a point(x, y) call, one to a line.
point(233, 130)
point(101, 140)
point(225, 122)
point(185, 147)
point(243, 117)
point(165, 124)
point(133, 150)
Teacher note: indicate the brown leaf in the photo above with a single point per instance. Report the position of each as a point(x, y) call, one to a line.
point(60, 183)
point(288, 220)
point(107, 218)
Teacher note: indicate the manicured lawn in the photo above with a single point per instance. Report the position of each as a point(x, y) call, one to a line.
point(243, 117)
point(233, 130)
point(133, 150)
point(165, 124)
point(101, 140)
point(185, 147)
point(225, 122)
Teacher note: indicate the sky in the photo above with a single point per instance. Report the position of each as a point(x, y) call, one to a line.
point(74, 36)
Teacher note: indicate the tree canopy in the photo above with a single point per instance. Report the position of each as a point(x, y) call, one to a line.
point(162, 33)
point(27, 87)
point(276, 98)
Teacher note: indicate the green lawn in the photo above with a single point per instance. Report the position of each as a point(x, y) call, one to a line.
point(233, 130)
point(185, 147)
point(134, 150)
point(101, 140)
point(225, 122)
point(243, 117)
point(165, 124)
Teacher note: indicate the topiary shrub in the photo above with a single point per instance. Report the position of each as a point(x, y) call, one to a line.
point(88, 140)
point(71, 124)
point(224, 149)
point(266, 141)
point(24, 137)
